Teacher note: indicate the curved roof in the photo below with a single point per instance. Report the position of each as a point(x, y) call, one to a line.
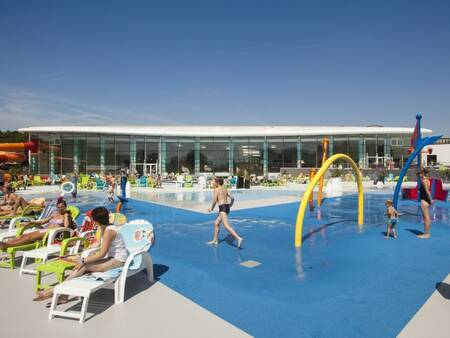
point(221, 131)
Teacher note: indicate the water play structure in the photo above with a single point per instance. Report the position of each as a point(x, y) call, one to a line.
point(324, 158)
point(310, 189)
point(13, 152)
point(419, 143)
point(20, 146)
point(8, 157)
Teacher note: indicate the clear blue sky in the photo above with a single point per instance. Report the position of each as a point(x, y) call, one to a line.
point(231, 62)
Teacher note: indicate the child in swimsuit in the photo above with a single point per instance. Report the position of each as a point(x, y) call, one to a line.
point(392, 219)
point(111, 190)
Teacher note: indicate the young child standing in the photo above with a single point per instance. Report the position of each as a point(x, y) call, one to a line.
point(392, 216)
point(111, 189)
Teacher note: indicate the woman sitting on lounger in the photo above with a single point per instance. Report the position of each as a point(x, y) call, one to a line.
point(12, 202)
point(60, 218)
point(112, 254)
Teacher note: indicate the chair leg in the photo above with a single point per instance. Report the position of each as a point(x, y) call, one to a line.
point(53, 306)
point(12, 257)
point(84, 309)
point(38, 280)
point(149, 267)
point(117, 291)
point(23, 264)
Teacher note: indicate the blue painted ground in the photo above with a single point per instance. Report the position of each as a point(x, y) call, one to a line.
point(344, 282)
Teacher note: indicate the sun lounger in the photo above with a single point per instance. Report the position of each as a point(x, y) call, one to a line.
point(51, 244)
point(138, 236)
point(11, 251)
point(85, 238)
point(14, 222)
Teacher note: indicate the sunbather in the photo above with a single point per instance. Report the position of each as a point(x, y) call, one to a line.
point(60, 218)
point(112, 254)
point(12, 202)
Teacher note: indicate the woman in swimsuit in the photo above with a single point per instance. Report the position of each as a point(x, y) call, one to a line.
point(425, 202)
point(112, 253)
point(60, 218)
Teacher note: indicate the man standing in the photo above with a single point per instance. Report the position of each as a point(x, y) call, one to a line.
point(220, 197)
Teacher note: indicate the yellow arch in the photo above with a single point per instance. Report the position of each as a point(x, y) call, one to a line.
point(310, 189)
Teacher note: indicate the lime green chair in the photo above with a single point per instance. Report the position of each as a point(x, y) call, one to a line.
point(84, 181)
point(11, 252)
point(61, 265)
point(37, 180)
point(188, 183)
point(30, 211)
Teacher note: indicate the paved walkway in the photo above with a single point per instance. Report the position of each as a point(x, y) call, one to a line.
point(148, 311)
point(432, 320)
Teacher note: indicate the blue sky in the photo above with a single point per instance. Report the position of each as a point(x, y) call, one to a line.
point(225, 62)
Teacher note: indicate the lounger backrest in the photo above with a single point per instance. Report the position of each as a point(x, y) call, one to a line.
point(48, 211)
point(138, 235)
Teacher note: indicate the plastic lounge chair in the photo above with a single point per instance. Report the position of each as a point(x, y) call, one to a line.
point(11, 251)
point(37, 180)
point(437, 191)
point(84, 181)
point(12, 229)
point(50, 246)
point(30, 212)
point(86, 236)
point(138, 236)
point(188, 182)
point(133, 182)
point(142, 182)
point(100, 184)
point(179, 181)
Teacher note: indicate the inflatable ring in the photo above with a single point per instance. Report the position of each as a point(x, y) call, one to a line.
point(67, 187)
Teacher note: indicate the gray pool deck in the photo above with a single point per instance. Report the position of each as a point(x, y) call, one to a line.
point(148, 311)
point(155, 310)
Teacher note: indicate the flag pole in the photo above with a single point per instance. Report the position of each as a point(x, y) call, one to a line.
point(419, 155)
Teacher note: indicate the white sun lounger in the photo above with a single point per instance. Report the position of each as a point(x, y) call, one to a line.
point(139, 237)
point(12, 228)
point(51, 249)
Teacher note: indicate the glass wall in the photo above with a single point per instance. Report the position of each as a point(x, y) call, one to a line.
point(353, 149)
point(180, 155)
point(44, 154)
point(248, 154)
point(62, 153)
point(214, 155)
point(309, 152)
point(110, 154)
point(281, 153)
point(275, 154)
point(66, 154)
point(186, 158)
point(93, 154)
point(122, 152)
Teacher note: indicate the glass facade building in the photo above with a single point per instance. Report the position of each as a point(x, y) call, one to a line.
point(64, 151)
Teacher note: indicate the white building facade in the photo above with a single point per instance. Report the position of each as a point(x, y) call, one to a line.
point(210, 149)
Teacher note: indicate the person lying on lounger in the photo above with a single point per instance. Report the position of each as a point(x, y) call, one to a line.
point(12, 202)
point(112, 254)
point(60, 218)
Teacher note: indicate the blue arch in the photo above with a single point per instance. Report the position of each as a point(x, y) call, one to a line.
point(426, 141)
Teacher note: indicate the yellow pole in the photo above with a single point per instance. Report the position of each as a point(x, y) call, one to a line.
point(324, 158)
point(313, 183)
